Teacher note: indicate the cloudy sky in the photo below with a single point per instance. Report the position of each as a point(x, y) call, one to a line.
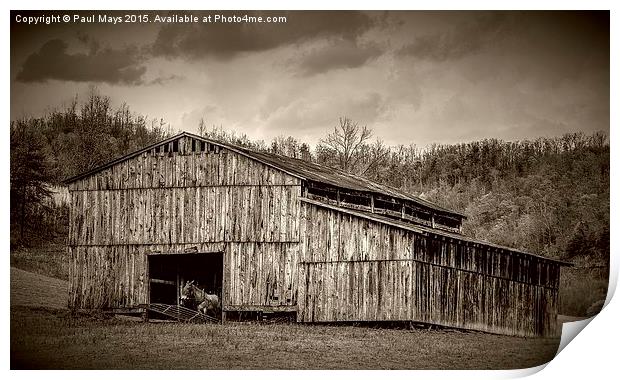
point(413, 77)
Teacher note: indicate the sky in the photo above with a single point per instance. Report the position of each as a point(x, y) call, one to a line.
point(411, 76)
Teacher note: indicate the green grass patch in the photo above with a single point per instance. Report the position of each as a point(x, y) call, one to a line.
point(580, 289)
point(50, 259)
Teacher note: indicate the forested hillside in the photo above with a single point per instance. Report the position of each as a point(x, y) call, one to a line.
point(550, 195)
point(547, 195)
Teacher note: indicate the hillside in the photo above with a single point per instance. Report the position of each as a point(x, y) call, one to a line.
point(36, 290)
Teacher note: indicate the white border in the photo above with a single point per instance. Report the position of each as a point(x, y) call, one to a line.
point(593, 354)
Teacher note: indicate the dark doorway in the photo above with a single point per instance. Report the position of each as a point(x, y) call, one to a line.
point(169, 272)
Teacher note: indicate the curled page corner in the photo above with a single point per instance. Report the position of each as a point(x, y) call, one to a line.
point(570, 330)
point(525, 372)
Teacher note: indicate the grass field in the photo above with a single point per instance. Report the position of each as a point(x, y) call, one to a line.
point(49, 259)
point(45, 335)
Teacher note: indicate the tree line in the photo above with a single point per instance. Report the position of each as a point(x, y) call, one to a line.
point(549, 195)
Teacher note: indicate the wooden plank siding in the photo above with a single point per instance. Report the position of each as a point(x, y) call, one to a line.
point(177, 199)
point(116, 276)
point(248, 213)
point(158, 169)
point(355, 269)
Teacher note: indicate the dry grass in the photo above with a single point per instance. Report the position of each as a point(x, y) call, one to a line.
point(48, 338)
point(50, 259)
point(51, 337)
point(33, 289)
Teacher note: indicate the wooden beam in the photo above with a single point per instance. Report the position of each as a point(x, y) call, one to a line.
point(262, 308)
point(509, 278)
point(117, 310)
point(166, 282)
point(355, 206)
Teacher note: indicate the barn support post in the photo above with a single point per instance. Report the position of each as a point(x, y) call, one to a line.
point(225, 282)
point(178, 287)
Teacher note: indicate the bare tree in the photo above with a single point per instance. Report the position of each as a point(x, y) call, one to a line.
point(376, 158)
point(202, 129)
point(346, 142)
point(286, 146)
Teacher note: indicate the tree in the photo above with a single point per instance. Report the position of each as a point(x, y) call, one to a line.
point(376, 160)
point(30, 173)
point(202, 128)
point(345, 144)
point(305, 153)
point(286, 146)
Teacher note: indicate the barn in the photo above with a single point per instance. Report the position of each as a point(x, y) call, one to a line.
point(274, 234)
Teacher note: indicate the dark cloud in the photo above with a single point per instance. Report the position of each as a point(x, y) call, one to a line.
point(571, 35)
point(224, 40)
point(459, 75)
point(165, 79)
point(342, 54)
point(109, 65)
point(465, 39)
point(92, 43)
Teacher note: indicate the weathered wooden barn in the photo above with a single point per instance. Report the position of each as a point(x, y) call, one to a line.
point(275, 234)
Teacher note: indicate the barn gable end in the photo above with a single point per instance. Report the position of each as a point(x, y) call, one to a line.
point(179, 196)
point(182, 161)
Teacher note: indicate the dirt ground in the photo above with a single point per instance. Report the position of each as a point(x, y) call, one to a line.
point(44, 335)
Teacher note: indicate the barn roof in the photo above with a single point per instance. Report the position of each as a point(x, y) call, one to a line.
point(337, 178)
point(298, 168)
point(424, 230)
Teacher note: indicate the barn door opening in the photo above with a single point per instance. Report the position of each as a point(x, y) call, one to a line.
point(169, 272)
